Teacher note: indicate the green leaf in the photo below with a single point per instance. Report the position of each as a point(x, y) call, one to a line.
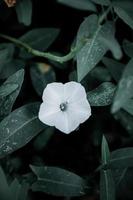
point(79, 4)
point(124, 9)
point(102, 95)
point(112, 44)
point(24, 11)
point(7, 89)
point(11, 67)
point(126, 120)
point(101, 74)
point(4, 189)
point(124, 91)
point(7, 102)
point(39, 39)
point(19, 191)
point(102, 2)
point(115, 68)
point(6, 54)
point(21, 126)
point(107, 185)
point(128, 106)
point(128, 48)
point(14, 188)
point(121, 158)
point(93, 51)
point(105, 151)
point(58, 182)
point(119, 175)
point(41, 75)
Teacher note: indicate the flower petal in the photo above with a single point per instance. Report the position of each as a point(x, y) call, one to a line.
point(47, 113)
point(74, 91)
point(81, 109)
point(53, 93)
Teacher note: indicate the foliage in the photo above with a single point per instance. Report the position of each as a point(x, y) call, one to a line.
point(88, 41)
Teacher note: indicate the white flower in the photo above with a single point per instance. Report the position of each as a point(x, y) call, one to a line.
point(64, 106)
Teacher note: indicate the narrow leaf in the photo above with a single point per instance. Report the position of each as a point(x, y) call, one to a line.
point(7, 89)
point(19, 128)
point(107, 185)
point(7, 102)
point(58, 182)
point(105, 151)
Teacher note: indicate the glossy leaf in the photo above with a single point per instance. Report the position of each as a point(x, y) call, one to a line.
point(102, 95)
point(79, 4)
point(21, 126)
point(58, 182)
point(24, 11)
point(124, 91)
point(6, 103)
point(39, 39)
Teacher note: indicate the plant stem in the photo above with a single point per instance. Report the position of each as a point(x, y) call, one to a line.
point(50, 56)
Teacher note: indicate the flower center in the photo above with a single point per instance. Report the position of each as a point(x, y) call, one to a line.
point(63, 106)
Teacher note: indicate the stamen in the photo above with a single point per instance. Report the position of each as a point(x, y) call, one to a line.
point(63, 106)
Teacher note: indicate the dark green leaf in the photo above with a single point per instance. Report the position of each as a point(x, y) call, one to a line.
point(39, 39)
point(107, 185)
point(128, 48)
point(41, 75)
point(102, 95)
point(4, 189)
point(24, 11)
point(105, 151)
point(94, 49)
point(124, 10)
point(115, 68)
point(58, 182)
point(6, 54)
point(79, 4)
point(112, 44)
point(21, 126)
point(6, 103)
point(121, 158)
point(7, 89)
point(102, 2)
point(19, 191)
point(129, 106)
point(11, 67)
point(124, 91)
point(126, 120)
